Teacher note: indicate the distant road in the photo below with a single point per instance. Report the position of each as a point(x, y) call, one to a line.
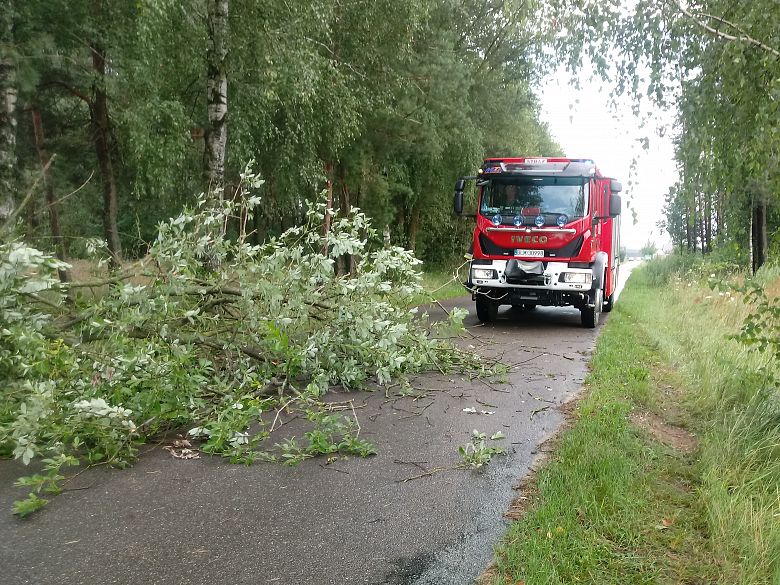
point(625, 271)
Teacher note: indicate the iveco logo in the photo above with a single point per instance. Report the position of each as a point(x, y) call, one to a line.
point(529, 239)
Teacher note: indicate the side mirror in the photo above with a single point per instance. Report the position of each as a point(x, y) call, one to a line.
point(615, 203)
point(615, 186)
point(457, 204)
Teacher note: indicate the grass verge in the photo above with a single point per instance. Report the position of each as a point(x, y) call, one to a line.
point(442, 285)
point(630, 495)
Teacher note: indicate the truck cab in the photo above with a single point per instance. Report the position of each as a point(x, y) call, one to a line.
point(547, 233)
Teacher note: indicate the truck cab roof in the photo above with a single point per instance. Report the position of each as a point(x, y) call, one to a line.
point(561, 167)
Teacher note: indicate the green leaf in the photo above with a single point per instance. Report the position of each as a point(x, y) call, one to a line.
point(30, 504)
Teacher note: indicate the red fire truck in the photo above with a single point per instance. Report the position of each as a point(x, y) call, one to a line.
point(547, 233)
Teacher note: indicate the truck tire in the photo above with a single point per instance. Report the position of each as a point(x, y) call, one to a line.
point(590, 315)
point(487, 309)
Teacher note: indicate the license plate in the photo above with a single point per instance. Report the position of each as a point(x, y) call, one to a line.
point(533, 253)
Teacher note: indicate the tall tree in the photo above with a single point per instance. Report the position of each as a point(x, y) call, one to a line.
point(51, 203)
point(101, 134)
point(69, 59)
point(8, 97)
point(216, 92)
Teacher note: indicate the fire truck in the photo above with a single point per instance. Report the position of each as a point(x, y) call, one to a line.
point(547, 233)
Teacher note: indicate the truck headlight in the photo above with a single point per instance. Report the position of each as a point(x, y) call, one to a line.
point(579, 277)
point(482, 273)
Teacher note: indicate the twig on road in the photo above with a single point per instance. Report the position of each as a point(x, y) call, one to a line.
point(430, 472)
point(538, 410)
point(526, 361)
point(279, 412)
point(485, 403)
point(75, 489)
point(422, 411)
point(418, 464)
point(540, 399)
point(492, 388)
point(354, 415)
point(333, 469)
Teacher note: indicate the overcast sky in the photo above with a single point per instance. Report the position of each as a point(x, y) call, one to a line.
point(585, 125)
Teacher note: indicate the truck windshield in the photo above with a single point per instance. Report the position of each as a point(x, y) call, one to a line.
point(531, 196)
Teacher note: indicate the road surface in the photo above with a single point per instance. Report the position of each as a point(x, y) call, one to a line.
point(199, 522)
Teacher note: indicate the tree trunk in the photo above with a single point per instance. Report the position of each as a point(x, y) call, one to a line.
point(345, 264)
point(718, 214)
point(708, 222)
point(101, 137)
point(413, 227)
point(51, 204)
point(700, 206)
point(8, 95)
point(31, 217)
point(690, 231)
point(216, 94)
point(329, 197)
point(759, 240)
point(257, 227)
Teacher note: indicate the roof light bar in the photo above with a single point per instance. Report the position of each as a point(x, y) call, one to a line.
point(537, 160)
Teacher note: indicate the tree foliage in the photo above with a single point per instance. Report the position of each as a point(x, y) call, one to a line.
point(387, 102)
point(716, 61)
point(211, 344)
point(648, 249)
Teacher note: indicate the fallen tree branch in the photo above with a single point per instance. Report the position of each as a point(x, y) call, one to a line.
point(104, 282)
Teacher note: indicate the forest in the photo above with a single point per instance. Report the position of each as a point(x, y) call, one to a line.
point(121, 113)
point(131, 109)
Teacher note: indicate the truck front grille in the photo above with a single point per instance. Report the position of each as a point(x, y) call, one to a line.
point(570, 250)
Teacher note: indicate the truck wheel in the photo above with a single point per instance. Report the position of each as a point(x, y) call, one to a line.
point(590, 315)
point(487, 309)
point(608, 304)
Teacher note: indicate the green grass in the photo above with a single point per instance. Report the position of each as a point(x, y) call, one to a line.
point(616, 506)
point(442, 285)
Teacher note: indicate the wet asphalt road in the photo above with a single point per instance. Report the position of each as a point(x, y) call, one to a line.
point(168, 521)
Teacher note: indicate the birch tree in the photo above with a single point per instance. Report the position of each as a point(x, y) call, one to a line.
point(216, 93)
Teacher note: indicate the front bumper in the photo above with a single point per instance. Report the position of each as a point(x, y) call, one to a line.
point(531, 282)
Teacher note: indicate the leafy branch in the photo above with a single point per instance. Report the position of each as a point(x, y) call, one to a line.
point(700, 18)
point(477, 453)
point(217, 336)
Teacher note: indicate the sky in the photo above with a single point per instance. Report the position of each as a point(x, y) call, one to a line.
point(584, 123)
